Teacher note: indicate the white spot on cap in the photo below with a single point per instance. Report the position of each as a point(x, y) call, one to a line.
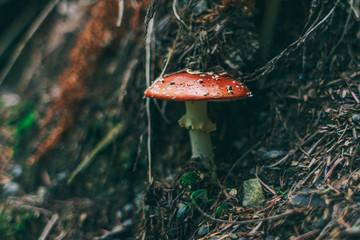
point(188, 70)
point(229, 88)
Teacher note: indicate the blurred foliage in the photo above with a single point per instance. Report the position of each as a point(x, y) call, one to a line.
point(17, 224)
point(24, 119)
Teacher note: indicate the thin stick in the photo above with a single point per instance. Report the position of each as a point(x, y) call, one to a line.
point(177, 15)
point(121, 13)
point(148, 77)
point(169, 55)
point(293, 151)
point(307, 235)
point(110, 136)
point(343, 33)
point(239, 160)
point(49, 226)
point(20, 203)
point(266, 186)
point(296, 44)
point(29, 34)
point(282, 215)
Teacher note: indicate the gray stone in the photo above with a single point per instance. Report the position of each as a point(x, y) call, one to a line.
point(253, 194)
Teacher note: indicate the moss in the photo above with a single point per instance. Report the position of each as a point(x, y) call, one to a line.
point(23, 119)
point(189, 179)
point(17, 223)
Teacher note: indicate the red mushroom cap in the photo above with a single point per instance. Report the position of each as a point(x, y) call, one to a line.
point(196, 87)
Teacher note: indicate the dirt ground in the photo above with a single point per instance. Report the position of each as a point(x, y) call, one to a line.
point(85, 156)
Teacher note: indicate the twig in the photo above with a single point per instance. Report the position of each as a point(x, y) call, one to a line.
point(48, 226)
point(270, 65)
point(150, 15)
point(14, 29)
point(161, 110)
point(120, 13)
point(61, 236)
point(346, 127)
point(266, 186)
point(111, 235)
point(282, 215)
point(314, 146)
point(292, 151)
point(29, 34)
point(307, 235)
point(353, 157)
point(342, 35)
point(125, 78)
point(333, 167)
point(239, 160)
point(111, 135)
point(295, 186)
point(324, 232)
point(346, 79)
point(177, 15)
point(148, 77)
point(169, 55)
point(147, 73)
point(19, 203)
point(255, 229)
point(356, 10)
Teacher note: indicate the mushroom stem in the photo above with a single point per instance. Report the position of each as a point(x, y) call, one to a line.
point(199, 125)
point(201, 147)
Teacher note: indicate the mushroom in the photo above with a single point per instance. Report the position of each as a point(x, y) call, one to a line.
point(196, 89)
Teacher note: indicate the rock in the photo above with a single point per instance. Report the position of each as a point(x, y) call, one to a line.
point(271, 154)
point(307, 198)
point(16, 170)
point(11, 189)
point(356, 117)
point(203, 230)
point(253, 194)
point(9, 99)
point(181, 209)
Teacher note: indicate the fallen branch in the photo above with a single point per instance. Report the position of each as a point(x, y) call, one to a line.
point(49, 226)
point(282, 215)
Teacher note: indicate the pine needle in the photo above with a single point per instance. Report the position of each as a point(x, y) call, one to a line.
point(109, 138)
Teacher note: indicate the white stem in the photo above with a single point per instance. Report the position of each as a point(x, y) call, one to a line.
point(196, 117)
point(199, 125)
point(201, 147)
point(197, 111)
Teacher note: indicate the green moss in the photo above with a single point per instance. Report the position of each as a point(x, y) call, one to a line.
point(17, 223)
point(221, 208)
point(188, 179)
point(23, 120)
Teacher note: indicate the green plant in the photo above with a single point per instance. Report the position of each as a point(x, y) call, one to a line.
point(189, 179)
point(17, 224)
point(195, 196)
